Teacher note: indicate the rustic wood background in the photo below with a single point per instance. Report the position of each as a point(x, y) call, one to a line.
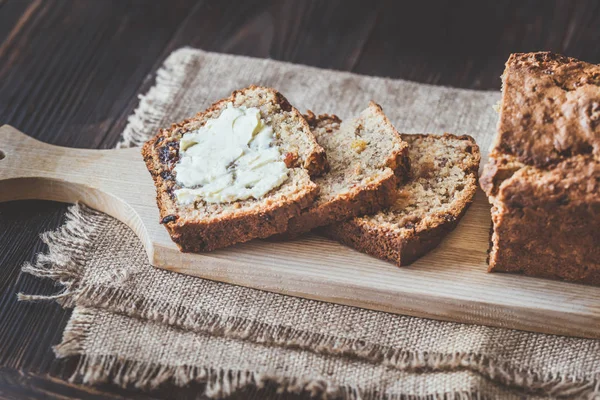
point(70, 73)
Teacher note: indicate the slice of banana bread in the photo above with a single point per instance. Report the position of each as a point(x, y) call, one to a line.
point(366, 155)
point(543, 175)
point(442, 184)
point(206, 205)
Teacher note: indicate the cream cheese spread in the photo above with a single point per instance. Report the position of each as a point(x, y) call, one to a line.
point(231, 157)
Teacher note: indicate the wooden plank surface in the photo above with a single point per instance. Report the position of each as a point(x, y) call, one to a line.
point(70, 72)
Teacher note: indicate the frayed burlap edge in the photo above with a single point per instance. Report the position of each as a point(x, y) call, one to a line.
point(218, 383)
point(288, 337)
point(68, 249)
point(68, 252)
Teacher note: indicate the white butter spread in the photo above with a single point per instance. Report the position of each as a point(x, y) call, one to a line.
point(231, 157)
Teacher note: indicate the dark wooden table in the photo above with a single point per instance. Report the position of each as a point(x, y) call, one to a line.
point(70, 73)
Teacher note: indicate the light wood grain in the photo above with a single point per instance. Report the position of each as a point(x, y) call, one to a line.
point(450, 283)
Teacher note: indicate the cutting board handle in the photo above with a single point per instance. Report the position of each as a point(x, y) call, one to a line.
point(112, 181)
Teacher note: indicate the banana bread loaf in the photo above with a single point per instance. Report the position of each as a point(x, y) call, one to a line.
point(543, 175)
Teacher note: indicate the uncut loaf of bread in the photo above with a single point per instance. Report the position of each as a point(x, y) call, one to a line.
point(198, 224)
point(543, 175)
point(366, 156)
point(441, 186)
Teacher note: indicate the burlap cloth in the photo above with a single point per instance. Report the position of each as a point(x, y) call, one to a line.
point(137, 325)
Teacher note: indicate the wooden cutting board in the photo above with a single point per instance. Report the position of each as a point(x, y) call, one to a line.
point(450, 283)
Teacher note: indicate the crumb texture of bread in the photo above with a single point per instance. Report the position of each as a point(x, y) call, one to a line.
point(441, 186)
point(550, 109)
point(543, 175)
point(203, 226)
point(366, 157)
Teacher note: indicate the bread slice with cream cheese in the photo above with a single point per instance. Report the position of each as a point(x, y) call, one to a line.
point(239, 170)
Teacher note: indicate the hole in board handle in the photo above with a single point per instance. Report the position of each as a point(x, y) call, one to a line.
point(2, 155)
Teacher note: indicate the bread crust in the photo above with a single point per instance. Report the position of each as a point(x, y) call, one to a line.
point(202, 236)
point(361, 199)
point(543, 175)
point(367, 200)
point(546, 222)
point(388, 246)
point(246, 222)
point(369, 237)
point(550, 109)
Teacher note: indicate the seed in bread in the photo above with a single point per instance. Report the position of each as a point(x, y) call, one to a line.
point(201, 225)
point(442, 184)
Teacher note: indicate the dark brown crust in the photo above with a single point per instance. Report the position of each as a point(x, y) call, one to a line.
point(362, 200)
point(498, 169)
point(550, 109)
point(366, 201)
point(160, 155)
point(546, 222)
point(382, 243)
point(387, 246)
point(543, 176)
point(313, 120)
